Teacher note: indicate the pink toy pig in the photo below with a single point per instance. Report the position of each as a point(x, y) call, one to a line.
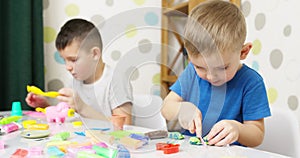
point(59, 112)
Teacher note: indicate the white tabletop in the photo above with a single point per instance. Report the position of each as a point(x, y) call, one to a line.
point(14, 141)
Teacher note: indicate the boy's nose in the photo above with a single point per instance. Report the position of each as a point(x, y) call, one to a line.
point(211, 76)
point(69, 67)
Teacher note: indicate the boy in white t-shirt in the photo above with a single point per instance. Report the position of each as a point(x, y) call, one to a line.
point(95, 93)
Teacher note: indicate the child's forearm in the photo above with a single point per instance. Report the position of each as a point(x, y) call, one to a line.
point(89, 112)
point(251, 133)
point(124, 109)
point(170, 110)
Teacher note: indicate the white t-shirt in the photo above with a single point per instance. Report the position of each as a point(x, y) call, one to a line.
point(107, 93)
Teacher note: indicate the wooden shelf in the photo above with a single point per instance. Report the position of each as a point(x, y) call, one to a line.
point(177, 10)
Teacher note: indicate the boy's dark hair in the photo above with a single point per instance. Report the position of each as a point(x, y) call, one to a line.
point(79, 30)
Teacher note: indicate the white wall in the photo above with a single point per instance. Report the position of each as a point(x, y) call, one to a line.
point(130, 30)
point(274, 30)
point(273, 27)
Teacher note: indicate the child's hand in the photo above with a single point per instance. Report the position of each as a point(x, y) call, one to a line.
point(67, 95)
point(223, 133)
point(35, 101)
point(190, 117)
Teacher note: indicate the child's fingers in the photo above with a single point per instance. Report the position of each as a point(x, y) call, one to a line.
point(66, 92)
point(198, 125)
point(192, 127)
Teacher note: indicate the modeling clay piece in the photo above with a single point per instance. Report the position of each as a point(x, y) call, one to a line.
point(19, 153)
point(175, 135)
point(61, 136)
point(197, 141)
point(8, 128)
point(57, 113)
point(54, 151)
point(168, 148)
point(131, 143)
point(105, 152)
point(119, 134)
point(157, 134)
point(28, 122)
point(35, 151)
point(98, 136)
point(38, 91)
point(73, 151)
point(2, 145)
point(39, 126)
point(142, 138)
point(123, 152)
point(10, 119)
point(77, 124)
point(84, 154)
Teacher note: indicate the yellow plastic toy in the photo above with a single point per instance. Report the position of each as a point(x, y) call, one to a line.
point(36, 90)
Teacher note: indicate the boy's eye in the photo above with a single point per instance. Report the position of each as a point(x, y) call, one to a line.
point(223, 68)
point(198, 67)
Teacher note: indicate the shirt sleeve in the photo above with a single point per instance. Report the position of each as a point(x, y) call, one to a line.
point(182, 81)
point(255, 101)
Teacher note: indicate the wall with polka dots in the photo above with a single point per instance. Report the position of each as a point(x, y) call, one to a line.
point(274, 32)
point(131, 32)
point(131, 36)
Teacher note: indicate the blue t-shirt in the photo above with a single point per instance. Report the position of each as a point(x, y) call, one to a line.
point(243, 98)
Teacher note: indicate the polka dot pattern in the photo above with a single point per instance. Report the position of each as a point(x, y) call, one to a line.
point(246, 8)
point(49, 34)
point(256, 49)
point(272, 95)
point(109, 2)
point(130, 31)
point(58, 58)
point(274, 40)
point(55, 85)
point(276, 58)
point(145, 46)
point(133, 73)
point(139, 2)
point(72, 10)
point(151, 18)
point(293, 102)
point(98, 20)
point(115, 55)
point(260, 21)
point(287, 30)
point(45, 4)
point(255, 65)
point(156, 79)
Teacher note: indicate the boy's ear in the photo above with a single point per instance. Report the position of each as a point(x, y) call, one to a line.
point(96, 53)
point(245, 50)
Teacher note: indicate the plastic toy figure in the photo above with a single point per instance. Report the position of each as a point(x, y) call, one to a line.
point(57, 113)
point(36, 90)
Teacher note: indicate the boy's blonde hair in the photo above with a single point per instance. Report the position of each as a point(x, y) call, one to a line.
point(215, 26)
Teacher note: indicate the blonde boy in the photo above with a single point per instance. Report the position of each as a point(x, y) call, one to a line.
point(217, 96)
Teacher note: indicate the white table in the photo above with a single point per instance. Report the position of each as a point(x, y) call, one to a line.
point(14, 141)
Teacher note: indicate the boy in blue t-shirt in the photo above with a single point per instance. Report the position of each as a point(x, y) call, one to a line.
point(216, 95)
